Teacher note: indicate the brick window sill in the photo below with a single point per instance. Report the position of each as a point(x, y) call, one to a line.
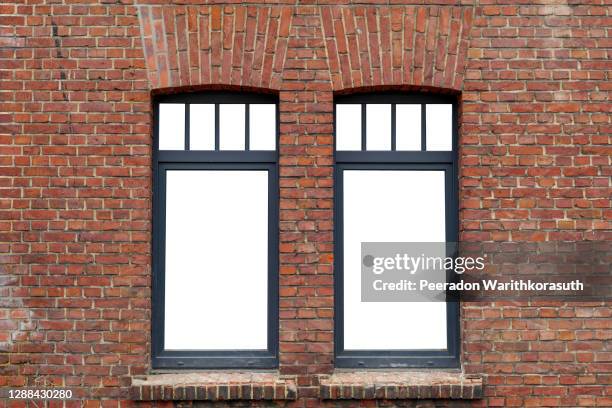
point(362, 385)
point(213, 386)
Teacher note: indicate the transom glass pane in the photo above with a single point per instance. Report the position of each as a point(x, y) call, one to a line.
point(262, 127)
point(408, 127)
point(378, 126)
point(439, 126)
point(348, 127)
point(231, 126)
point(202, 126)
point(171, 126)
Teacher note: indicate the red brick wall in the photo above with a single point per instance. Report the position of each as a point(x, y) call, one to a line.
point(535, 153)
point(75, 177)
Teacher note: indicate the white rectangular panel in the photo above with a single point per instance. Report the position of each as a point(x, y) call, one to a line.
point(391, 206)
point(262, 126)
point(216, 291)
point(202, 126)
point(231, 126)
point(378, 127)
point(439, 126)
point(348, 127)
point(408, 127)
point(171, 126)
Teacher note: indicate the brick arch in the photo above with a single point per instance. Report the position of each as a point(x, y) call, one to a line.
point(197, 45)
point(397, 88)
point(419, 46)
point(213, 87)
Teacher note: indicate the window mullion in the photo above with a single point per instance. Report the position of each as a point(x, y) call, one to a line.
point(187, 122)
point(216, 126)
point(423, 127)
point(247, 126)
point(393, 128)
point(363, 126)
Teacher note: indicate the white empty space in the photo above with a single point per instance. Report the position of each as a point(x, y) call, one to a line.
point(216, 260)
point(348, 127)
point(408, 127)
point(231, 126)
point(202, 126)
point(391, 206)
point(262, 127)
point(439, 126)
point(171, 126)
point(378, 127)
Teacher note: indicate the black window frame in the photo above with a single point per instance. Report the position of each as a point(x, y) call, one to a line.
point(418, 160)
point(230, 160)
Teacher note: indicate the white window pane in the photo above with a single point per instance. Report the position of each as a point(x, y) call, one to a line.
point(231, 126)
point(391, 206)
point(348, 127)
point(171, 126)
point(439, 128)
point(408, 127)
point(378, 127)
point(216, 260)
point(202, 126)
point(262, 127)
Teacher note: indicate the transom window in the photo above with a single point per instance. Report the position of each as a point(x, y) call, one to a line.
point(215, 300)
point(376, 126)
point(217, 126)
point(395, 181)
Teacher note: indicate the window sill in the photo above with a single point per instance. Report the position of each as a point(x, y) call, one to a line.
point(213, 386)
point(362, 385)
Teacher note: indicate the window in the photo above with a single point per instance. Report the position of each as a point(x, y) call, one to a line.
point(395, 182)
point(215, 231)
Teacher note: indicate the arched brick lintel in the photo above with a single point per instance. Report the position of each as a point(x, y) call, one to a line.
point(362, 46)
point(420, 46)
point(397, 88)
point(213, 87)
point(197, 45)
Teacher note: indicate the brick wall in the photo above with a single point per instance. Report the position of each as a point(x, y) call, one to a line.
point(75, 175)
point(536, 166)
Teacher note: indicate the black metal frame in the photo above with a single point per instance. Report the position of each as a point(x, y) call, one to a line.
point(396, 160)
point(213, 160)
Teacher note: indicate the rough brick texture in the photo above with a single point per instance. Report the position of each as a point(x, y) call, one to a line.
point(403, 385)
point(204, 386)
point(75, 173)
point(232, 45)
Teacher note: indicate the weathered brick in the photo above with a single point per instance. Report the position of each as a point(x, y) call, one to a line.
point(75, 157)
